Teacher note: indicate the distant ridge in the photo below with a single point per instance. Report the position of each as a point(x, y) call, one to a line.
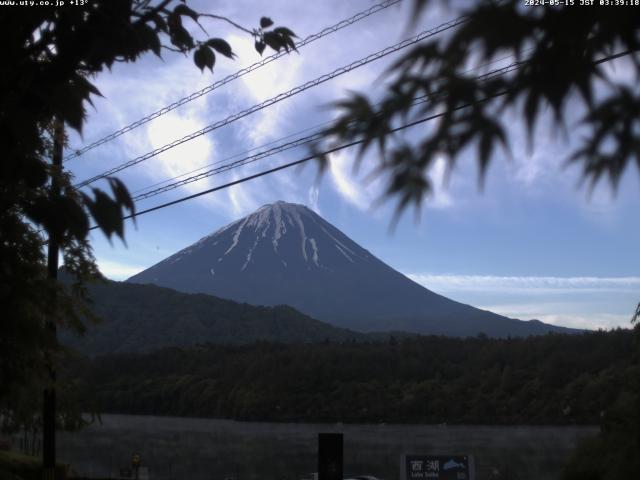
point(143, 318)
point(285, 253)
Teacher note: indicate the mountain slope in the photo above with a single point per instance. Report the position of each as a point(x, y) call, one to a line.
point(286, 254)
point(139, 318)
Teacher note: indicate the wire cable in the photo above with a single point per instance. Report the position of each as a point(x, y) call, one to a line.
point(229, 166)
point(278, 98)
point(318, 126)
point(279, 149)
point(287, 165)
point(231, 157)
point(332, 150)
point(178, 103)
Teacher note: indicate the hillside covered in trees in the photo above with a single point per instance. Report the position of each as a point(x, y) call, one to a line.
point(552, 379)
point(142, 318)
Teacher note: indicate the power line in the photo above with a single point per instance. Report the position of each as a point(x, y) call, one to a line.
point(286, 165)
point(178, 103)
point(148, 192)
point(278, 98)
point(229, 166)
point(280, 148)
point(335, 149)
point(318, 126)
point(231, 157)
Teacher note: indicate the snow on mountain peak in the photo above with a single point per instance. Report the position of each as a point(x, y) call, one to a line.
point(272, 222)
point(285, 254)
point(281, 234)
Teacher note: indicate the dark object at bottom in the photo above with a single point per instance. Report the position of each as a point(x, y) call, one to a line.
point(330, 456)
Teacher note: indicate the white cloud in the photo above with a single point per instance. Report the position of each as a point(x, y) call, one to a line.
point(314, 194)
point(621, 71)
point(363, 192)
point(440, 197)
point(528, 168)
point(602, 321)
point(580, 302)
point(134, 90)
point(242, 201)
point(537, 164)
point(188, 156)
point(263, 84)
point(116, 270)
point(569, 316)
point(528, 285)
point(341, 168)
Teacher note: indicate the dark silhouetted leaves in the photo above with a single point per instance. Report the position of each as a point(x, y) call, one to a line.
point(51, 56)
point(121, 195)
point(106, 212)
point(34, 172)
point(160, 23)
point(558, 55)
point(221, 46)
point(284, 32)
point(59, 216)
point(178, 35)
point(280, 38)
point(272, 39)
point(203, 57)
point(186, 11)
point(277, 39)
point(615, 121)
point(148, 38)
point(75, 217)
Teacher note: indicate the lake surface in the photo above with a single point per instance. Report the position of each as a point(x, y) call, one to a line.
point(209, 449)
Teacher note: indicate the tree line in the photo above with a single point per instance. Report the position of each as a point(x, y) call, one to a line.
point(552, 379)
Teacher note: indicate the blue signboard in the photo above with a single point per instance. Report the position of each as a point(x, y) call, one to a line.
point(437, 467)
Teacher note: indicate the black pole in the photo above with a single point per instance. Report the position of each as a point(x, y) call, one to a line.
point(49, 397)
point(330, 456)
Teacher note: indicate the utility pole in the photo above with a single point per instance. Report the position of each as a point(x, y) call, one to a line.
point(636, 316)
point(330, 456)
point(49, 397)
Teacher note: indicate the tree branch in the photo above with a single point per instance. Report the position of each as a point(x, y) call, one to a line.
point(153, 11)
point(228, 20)
point(173, 49)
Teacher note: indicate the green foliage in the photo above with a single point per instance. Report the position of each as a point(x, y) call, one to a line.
point(18, 466)
point(221, 46)
point(561, 52)
point(147, 317)
point(47, 65)
point(278, 38)
point(15, 466)
point(552, 379)
point(614, 453)
point(204, 57)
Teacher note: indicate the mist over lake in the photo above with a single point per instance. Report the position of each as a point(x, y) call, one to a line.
point(198, 449)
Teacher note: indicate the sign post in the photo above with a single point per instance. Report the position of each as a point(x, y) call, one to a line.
point(437, 467)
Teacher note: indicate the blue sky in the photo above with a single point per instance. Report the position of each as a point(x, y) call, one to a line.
point(530, 245)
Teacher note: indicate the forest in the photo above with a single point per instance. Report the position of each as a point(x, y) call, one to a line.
point(551, 379)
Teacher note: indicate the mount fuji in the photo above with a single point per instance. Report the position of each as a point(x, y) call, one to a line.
point(286, 254)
